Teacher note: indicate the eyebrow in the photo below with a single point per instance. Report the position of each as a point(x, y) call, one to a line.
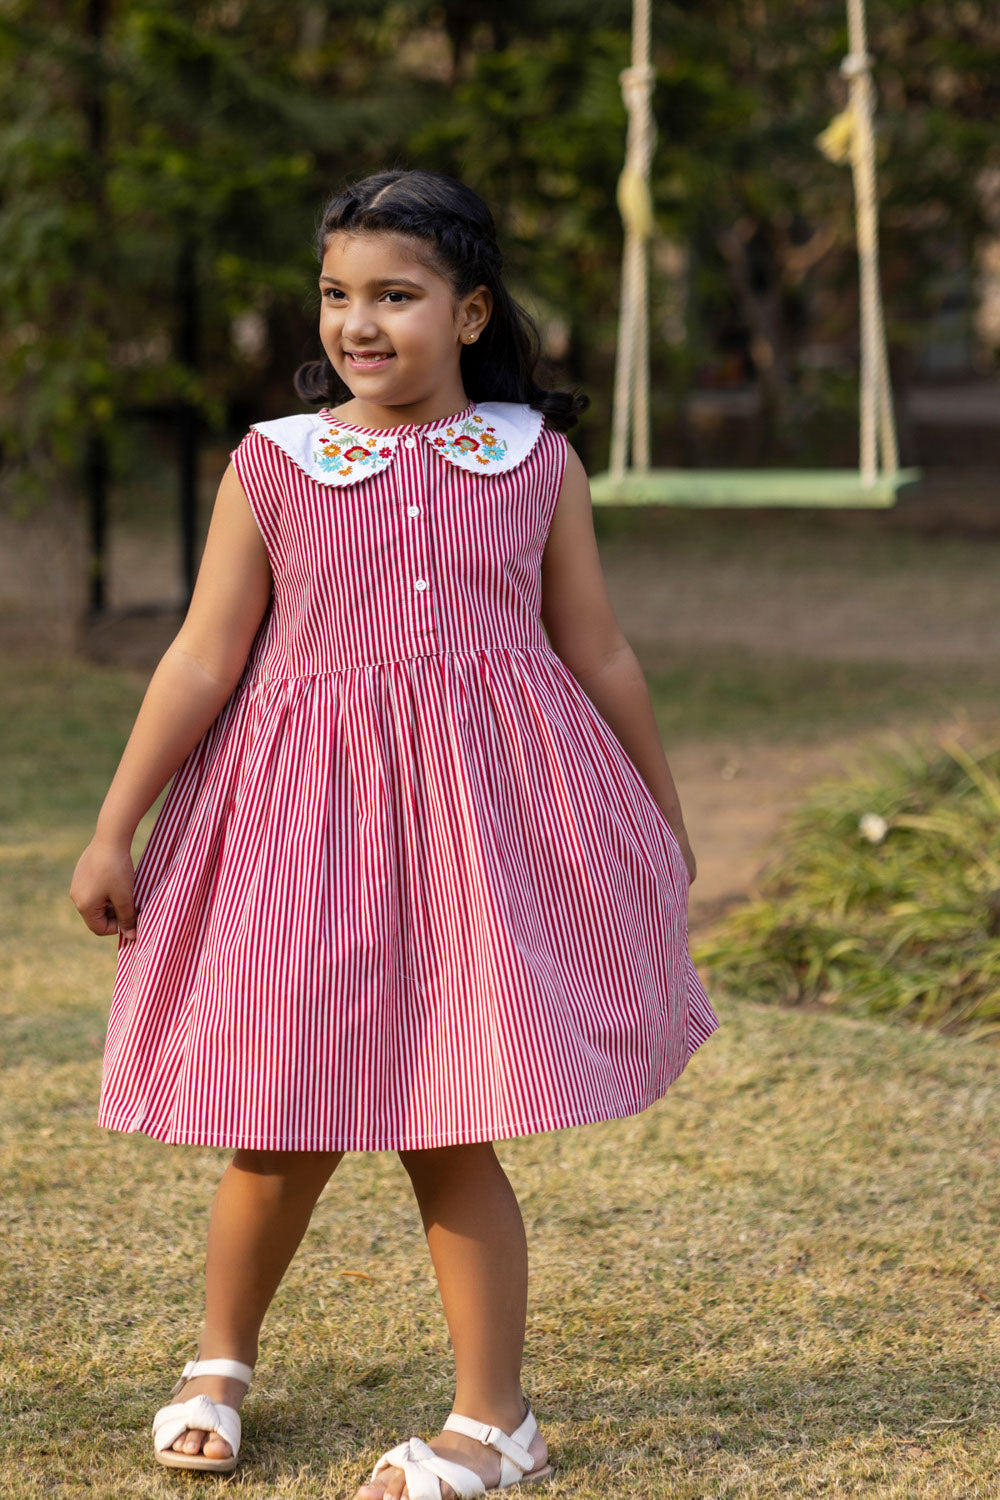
point(385, 281)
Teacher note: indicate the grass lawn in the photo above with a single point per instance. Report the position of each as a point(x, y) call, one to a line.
point(779, 1281)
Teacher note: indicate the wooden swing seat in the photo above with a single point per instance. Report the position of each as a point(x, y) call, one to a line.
point(750, 487)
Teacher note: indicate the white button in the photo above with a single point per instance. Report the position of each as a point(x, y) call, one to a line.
point(410, 442)
point(413, 510)
point(421, 583)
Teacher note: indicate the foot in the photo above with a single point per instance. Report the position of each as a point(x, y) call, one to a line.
point(460, 1449)
point(224, 1392)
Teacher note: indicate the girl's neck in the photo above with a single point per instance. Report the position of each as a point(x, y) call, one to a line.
point(383, 418)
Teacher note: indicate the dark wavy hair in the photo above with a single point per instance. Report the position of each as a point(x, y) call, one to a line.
point(459, 231)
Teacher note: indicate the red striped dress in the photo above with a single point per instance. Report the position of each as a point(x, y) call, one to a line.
point(408, 890)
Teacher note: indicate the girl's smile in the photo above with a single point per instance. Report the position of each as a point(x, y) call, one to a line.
point(393, 328)
point(360, 361)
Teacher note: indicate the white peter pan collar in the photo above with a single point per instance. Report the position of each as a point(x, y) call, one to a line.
point(489, 437)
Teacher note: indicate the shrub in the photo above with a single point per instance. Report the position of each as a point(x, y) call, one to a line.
point(882, 896)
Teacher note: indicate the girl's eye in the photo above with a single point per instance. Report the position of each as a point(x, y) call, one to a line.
point(334, 294)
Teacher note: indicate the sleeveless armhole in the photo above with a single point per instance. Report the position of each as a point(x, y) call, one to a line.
point(554, 450)
point(260, 468)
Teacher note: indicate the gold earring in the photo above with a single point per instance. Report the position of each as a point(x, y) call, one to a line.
point(471, 339)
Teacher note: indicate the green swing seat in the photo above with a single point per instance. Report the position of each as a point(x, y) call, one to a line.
point(758, 488)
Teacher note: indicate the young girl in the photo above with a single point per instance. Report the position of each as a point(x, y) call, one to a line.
point(420, 882)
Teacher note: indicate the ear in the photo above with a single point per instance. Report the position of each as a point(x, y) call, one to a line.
point(474, 314)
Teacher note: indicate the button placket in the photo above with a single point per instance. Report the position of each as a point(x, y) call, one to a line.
point(412, 478)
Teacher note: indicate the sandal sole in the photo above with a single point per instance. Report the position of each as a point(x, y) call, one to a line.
point(196, 1461)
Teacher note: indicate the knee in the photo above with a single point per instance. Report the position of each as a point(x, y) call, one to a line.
point(288, 1167)
point(431, 1163)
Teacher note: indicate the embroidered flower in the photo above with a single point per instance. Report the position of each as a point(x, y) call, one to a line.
point(440, 443)
point(360, 452)
point(474, 434)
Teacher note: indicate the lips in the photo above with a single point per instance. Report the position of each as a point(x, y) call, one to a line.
point(368, 360)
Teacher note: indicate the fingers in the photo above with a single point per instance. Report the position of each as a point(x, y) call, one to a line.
point(107, 916)
point(122, 907)
point(102, 890)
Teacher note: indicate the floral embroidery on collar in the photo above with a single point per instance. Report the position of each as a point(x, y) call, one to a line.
point(341, 452)
point(476, 436)
point(491, 437)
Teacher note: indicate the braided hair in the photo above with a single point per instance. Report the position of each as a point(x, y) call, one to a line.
point(458, 230)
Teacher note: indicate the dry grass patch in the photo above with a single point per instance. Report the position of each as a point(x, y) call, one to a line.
point(779, 1281)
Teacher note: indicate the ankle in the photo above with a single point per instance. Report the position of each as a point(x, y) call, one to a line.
point(506, 1412)
point(228, 1346)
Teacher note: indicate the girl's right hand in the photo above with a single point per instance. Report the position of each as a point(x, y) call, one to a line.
point(102, 889)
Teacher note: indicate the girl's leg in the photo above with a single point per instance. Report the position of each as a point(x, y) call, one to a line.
point(476, 1238)
point(262, 1207)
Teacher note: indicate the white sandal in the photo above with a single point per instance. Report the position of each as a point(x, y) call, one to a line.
point(203, 1414)
point(424, 1468)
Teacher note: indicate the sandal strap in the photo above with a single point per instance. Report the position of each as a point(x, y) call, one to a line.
point(421, 1467)
point(201, 1414)
point(232, 1369)
point(513, 1447)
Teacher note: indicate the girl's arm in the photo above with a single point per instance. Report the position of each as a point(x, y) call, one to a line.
point(584, 633)
point(193, 681)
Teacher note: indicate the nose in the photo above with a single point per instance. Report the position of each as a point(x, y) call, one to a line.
point(359, 323)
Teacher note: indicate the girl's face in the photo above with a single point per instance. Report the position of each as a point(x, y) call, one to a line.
point(393, 329)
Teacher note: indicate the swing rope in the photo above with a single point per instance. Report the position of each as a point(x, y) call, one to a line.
point(849, 136)
point(631, 397)
point(878, 428)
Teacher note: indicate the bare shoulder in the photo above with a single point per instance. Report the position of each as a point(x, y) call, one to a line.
point(577, 613)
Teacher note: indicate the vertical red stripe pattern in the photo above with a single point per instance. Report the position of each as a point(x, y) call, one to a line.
point(408, 890)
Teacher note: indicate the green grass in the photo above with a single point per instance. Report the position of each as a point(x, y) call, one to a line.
point(882, 896)
point(722, 693)
point(779, 1281)
point(63, 729)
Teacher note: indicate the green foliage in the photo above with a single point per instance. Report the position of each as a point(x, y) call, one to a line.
point(883, 898)
point(147, 148)
point(157, 173)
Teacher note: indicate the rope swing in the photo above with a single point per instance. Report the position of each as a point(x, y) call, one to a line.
point(851, 136)
point(630, 480)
